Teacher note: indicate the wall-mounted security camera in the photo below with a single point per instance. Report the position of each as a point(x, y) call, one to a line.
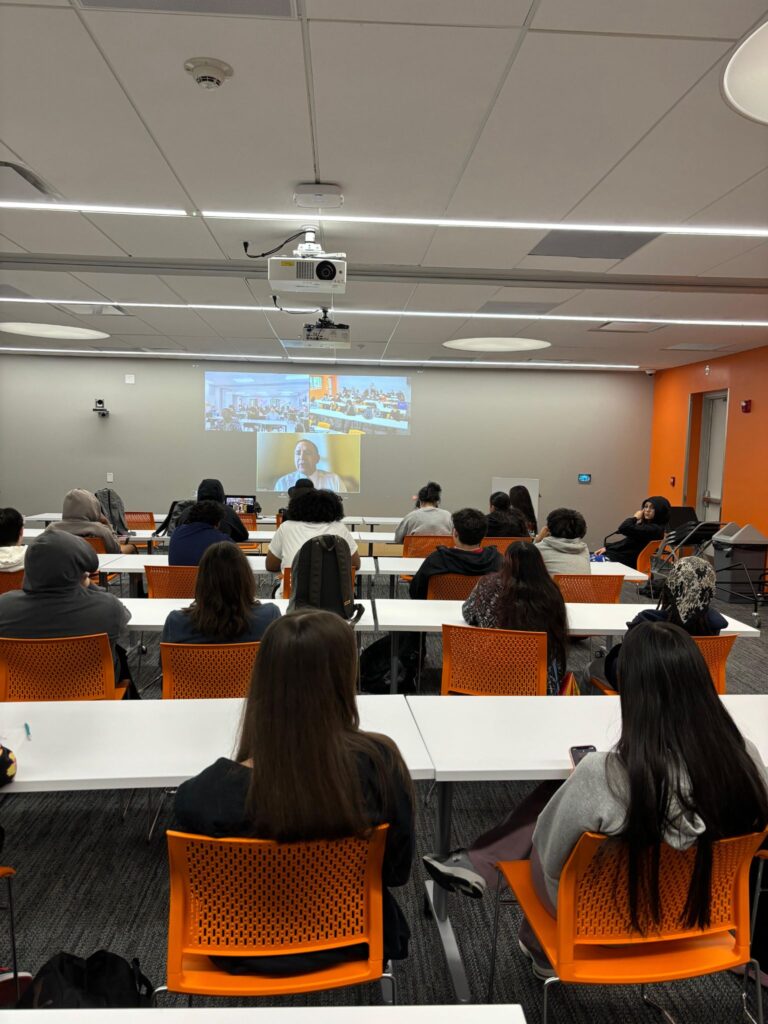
point(650, 373)
point(100, 407)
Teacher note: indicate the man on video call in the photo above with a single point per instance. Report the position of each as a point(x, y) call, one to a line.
point(306, 457)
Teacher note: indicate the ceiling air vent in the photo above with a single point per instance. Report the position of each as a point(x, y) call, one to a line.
point(592, 245)
point(86, 310)
point(698, 346)
point(531, 308)
point(627, 327)
point(242, 8)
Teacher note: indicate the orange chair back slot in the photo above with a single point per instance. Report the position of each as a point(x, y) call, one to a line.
point(502, 543)
point(287, 581)
point(11, 580)
point(450, 586)
point(278, 520)
point(420, 545)
point(716, 650)
point(176, 581)
point(588, 589)
point(63, 668)
point(494, 662)
point(140, 520)
point(97, 543)
point(249, 521)
point(255, 897)
point(207, 670)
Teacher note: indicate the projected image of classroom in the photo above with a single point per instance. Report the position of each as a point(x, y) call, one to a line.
point(360, 404)
point(330, 461)
point(256, 402)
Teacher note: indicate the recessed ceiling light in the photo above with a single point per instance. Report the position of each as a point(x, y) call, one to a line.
point(496, 344)
point(53, 331)
point(745, 79)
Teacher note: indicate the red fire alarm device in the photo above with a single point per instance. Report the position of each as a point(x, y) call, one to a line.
point(746, 405)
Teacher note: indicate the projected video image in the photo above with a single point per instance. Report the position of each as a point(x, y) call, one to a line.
point(282, 403)
point(368, 405)
point(330, 461)
point(256, 402)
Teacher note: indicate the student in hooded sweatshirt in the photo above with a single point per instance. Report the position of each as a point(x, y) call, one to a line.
point(211, 489)
point(561, 542)
point(201, 528)
point(81, 515)
point(466, 557)
point(12, 547)
point(647, 524)
point(57, 599)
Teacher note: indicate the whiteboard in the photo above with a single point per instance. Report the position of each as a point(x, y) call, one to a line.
point(504, 483)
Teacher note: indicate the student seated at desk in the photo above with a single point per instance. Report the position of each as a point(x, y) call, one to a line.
point(427, 517)
point(520, 498)
point(561, 542)
point(201, 529)
point(12, 547)
point(681, 774)
point(522, 595)
point(466, 557)
point(82, 515)
point(314, 775)
point(212, 489)
point(57, 598)
point(225, 609)
point(312, 512)
point(502, 519)
point(638, 530)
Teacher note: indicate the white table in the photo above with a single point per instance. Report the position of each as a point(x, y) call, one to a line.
point(149, 616)
point(85, 745)
point(473, 739)
point(454, 1014)
point(140, 536)
point(135, 563)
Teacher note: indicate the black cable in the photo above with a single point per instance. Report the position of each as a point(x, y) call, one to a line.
point(294, 312)
point(271, 252)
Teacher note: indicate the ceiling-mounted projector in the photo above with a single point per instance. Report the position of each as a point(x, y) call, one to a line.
point(324, 333)
point(307, 274)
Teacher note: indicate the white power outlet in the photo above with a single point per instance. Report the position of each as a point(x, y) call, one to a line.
point(110, 478)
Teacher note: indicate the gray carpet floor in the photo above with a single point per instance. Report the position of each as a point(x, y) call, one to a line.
point(87, 880)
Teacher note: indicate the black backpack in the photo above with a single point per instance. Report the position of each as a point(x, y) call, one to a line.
point(113, 508)
point(321, 577)
point(104, 979)
point(171, 521)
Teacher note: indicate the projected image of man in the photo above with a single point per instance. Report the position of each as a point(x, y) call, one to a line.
point(306, 457)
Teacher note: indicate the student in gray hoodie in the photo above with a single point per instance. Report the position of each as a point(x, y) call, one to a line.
point(561, 542)
point(82, 515)
point(681, 774)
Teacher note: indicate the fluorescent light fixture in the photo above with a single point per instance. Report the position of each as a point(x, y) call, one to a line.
point(496, 344)
point(52, 331)
point(758, 231)
point(404, 313)
point(745, 79)
point(130, 211)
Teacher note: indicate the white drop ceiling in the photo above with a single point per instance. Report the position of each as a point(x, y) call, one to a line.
point(602, 111)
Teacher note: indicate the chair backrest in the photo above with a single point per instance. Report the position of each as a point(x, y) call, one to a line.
point(287, 577)
point(450, 586)
point(249, 521)
point(419, 545)
point(140, 520)
point(171, 580)
point(63, 668)
point(502, 543)
point(593, 896)
point(716, 650)
point(251, 897)
point(644, 559)
point(207, 670)
point(97, 543)
point(278, 520)
point(11, 580)
point(586, 589)
point(497, 662)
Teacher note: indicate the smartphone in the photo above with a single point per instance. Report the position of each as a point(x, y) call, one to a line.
point(579, 753)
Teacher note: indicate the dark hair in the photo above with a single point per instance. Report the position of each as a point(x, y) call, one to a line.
point(430, 493)
point(520, 499)
point(530, 599)
point(225, 593)
point(470, 524)
point(11, 525)
point(301, 730)
point(566, 523)
point(315, 506)
point(211, 512)
point(499, 500)
point(678, 746)
point(302, 484)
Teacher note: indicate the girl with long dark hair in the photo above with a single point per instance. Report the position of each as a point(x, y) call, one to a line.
point(305, 770)
point(503, 520)
point(520, 498)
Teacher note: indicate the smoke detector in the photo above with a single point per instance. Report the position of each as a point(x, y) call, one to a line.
point(208, 72)
point(318, 196)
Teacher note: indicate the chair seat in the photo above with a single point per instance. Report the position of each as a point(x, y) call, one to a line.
point(199, 976)
point(627, 963)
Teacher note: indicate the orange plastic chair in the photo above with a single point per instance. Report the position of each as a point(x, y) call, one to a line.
point(62, 668)
point(497, 662)
point(254, 897)
point(140, 520)
point(715, 650)
point(171, 580)
point(207, 670)
point(278, 520)
point(502, 543)
point(11, 580)
point(287, 581)
point(587, 589)
point(417, 545)
point(97, 543)
point(249, 521)
point(450, 586)
point(591, 942)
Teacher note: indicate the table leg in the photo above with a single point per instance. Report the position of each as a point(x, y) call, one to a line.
point(438, 897)
point(392, 584)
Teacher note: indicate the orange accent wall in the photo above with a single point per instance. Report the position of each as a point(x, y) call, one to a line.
point(745, 477)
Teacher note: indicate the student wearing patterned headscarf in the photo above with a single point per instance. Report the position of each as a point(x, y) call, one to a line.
point(685, 601)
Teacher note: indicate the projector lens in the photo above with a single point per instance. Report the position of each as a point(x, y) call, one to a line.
point(325, 271)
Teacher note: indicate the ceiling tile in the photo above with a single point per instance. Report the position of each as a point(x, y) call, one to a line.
point(689, 18)
point(425, 12)
point(68, 233)
point(753, 263)
point(160, 237)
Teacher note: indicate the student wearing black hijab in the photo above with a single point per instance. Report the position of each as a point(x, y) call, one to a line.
point(211, 489)
point(647, 524)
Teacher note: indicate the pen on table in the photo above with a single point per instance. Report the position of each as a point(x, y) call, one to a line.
point(27, 731)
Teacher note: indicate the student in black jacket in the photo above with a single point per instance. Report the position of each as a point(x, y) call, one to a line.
point(211, 489)
point(305, 770)
point(647, 524)
point(504, 520)
point(466, 557)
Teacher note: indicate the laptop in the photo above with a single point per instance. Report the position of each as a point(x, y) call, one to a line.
point(241, 503)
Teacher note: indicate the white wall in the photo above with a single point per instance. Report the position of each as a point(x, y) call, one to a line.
point(467, 426)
